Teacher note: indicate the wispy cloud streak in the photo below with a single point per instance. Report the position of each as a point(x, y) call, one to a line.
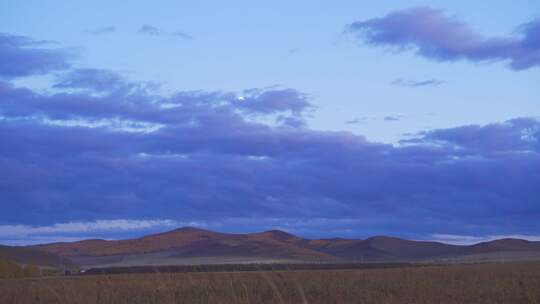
point(151, 30)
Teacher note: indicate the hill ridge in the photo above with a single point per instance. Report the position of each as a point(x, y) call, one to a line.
point(188, 244)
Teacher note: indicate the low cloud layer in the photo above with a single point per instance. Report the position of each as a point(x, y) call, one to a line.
point(434, 35)
point(470, 240)
point(73, 231)
point(101, 147)
point(83, 227)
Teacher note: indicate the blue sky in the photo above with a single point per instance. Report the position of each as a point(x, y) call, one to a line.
point(427, 89)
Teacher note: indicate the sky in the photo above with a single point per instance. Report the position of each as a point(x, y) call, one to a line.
point(416, 119)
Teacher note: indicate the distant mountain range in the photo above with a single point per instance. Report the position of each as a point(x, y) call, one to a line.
point(189, 245)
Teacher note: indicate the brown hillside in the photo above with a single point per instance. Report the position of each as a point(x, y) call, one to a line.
point(25, 255)
point(191, 242)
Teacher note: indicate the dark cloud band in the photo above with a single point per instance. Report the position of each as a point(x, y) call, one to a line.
point(103, 146)
point(21, 56)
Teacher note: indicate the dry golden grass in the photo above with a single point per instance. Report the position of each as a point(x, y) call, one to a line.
point(10, 270)
point(485, 283)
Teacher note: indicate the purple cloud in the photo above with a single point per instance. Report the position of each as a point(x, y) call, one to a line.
point(151, 30)
point(521, 134)
point(92, 79)
point(21, 56)
point(273, 101)
point(101, 30)
point(358, 120)
point(120, 99)
point(417, 83)
point(392, 118)
point(364, 119)
point(207, 161)
point(101, 145)
point(435, 36)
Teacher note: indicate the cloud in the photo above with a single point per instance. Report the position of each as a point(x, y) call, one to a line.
point(273, 101)
point(521, 134)
point(100, 145)
point(294, 51)
point(359, 120)
point(104, 30)
point(435, 36)
point(108, 97)
point(353, 121)
point(101, 81)
point(471, 240)
point(393, 118)
point(417, 83)
point(21, 56)
point(385, 118)
point(151, 30)
point(209, 162)
point(78, 227)
point(93, 79)
point(78, 230)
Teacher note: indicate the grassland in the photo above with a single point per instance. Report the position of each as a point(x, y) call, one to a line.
point(517, 282)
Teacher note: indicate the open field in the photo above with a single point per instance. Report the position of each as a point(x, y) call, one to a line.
point(245, 267)
point(517, 282)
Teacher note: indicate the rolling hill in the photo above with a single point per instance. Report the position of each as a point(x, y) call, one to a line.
point(198, 246)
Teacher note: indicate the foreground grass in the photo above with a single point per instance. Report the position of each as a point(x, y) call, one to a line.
point(485, 283)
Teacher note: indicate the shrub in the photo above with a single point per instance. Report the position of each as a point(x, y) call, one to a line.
point(31, 271)
point(9, 269)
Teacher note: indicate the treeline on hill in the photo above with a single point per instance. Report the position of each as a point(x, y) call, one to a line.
point(9, 270)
